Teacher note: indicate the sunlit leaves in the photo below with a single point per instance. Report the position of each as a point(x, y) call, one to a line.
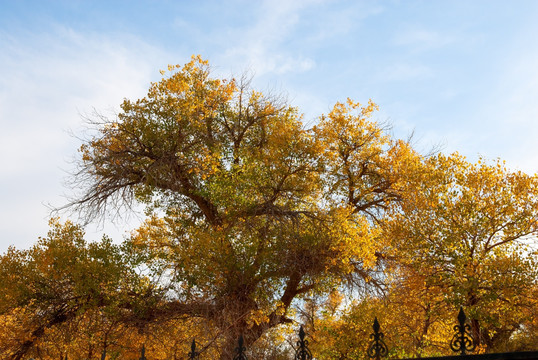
point(249, 212)
point(465, 228)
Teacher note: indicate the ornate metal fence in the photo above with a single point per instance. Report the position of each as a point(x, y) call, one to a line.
point(462, 342)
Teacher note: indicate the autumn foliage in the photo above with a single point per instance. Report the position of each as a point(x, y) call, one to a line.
point(256, 223)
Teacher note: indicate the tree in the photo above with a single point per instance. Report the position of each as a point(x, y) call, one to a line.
point(250, 214)
point(248, 210)
point(55, 281)
point(463, 233)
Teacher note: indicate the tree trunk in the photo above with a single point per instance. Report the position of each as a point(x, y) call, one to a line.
point(475, 332)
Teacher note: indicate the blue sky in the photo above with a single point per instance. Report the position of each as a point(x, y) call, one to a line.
point(460, 74)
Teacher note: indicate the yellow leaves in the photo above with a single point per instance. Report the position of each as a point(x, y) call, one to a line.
point(349, 128)
point(352, 238)
point(273, 189)
point(334, 300)
point(459, 227)
point(251, 205)
point(257, 317)
point(248, 210)
point(280, 308)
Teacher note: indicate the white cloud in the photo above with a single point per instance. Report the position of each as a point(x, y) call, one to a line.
point(47, 80)
point(341, 21)
point(261, 47)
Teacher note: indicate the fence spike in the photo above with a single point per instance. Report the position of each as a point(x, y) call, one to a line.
point(143, 352)
point(193, 354)
point(462, 341)
point(377, 348)
point(240, 349)
point(302, 352)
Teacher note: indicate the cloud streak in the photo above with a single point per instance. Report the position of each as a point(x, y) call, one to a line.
point(259, 46)
point(47, 80)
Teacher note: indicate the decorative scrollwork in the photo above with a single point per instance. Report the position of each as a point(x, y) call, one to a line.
point(462, 341)
point(240, 350)
point(302, 352)
point(194, 354)
point(377, 348)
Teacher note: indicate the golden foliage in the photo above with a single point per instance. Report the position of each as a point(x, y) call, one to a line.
point(251, 214)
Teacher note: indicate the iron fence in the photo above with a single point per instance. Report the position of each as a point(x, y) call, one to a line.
point(462, 342)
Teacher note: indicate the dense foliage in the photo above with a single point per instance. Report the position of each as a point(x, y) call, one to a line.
point(256, 223)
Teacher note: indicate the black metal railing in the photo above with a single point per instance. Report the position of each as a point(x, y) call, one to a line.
point(302, 352)
point(462, 342)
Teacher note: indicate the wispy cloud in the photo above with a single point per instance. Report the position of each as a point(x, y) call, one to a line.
point(454, 76)
point(47, 80)
point(261, 46)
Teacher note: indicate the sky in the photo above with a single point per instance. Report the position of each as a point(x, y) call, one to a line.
point(459, 75)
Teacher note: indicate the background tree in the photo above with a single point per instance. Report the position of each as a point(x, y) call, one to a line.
point(463, 233)
point(56, 281)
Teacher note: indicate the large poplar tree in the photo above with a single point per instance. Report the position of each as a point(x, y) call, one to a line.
point(248, 209)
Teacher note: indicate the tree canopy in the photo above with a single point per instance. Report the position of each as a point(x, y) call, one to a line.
point(250, 214)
